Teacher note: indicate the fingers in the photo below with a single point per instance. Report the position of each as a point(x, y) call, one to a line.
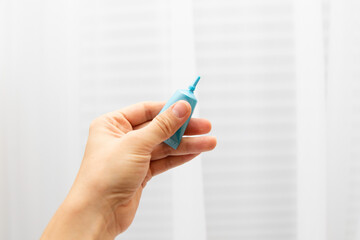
point(197, 126)
point(164, 125)
point(139, 113)
point(189, 145)
point(165, 164)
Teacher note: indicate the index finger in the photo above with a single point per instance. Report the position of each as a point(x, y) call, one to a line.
point(140, 112)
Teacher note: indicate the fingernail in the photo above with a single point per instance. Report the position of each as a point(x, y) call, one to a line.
point(180, 109)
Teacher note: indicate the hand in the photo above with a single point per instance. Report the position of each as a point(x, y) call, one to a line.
point(124, 151)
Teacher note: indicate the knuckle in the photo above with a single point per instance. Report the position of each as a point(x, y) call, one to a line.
point(148, 112)
point(164, 124)
point(99, 121)
point(166, 150)
point(187, 146)
point(109, 118)
point(94, 123)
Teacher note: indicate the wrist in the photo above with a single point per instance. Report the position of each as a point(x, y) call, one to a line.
point(79, 217)
point(94, 215)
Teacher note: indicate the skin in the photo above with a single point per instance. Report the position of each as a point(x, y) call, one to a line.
point(124, 151)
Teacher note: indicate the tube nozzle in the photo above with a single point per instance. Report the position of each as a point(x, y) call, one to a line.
point(193, 86)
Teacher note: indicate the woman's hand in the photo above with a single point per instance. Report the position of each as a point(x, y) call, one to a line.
point(124, 151)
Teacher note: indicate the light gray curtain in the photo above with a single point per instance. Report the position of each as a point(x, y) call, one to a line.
point(269, 68)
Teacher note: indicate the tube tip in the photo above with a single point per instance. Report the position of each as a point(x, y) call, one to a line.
point(193, 86)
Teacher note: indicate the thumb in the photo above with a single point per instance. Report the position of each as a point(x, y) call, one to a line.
point(164, 125)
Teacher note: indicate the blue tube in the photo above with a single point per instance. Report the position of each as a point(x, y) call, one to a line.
point(181, 94)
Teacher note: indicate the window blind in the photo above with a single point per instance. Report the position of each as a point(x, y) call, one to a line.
point(122, 58)
point(245, 52)
point(344, 131)
point(353, 51)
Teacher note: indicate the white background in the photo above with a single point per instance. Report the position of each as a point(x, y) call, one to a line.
point(280, 83)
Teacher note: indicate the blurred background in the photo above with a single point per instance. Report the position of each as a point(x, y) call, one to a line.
point(280, 83)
